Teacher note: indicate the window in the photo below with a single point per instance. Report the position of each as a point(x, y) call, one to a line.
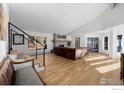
point(105, 43)
point(119, 39)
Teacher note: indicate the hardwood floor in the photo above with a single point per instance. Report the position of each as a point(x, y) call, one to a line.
point(94, 69)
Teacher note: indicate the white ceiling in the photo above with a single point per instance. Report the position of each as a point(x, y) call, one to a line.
point(54, 18)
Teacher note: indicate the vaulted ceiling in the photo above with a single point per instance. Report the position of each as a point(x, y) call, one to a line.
point(54, 17)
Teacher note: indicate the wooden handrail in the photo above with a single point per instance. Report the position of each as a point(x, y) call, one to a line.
point(27, 34)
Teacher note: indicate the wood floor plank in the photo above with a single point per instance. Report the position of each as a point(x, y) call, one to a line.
point(62, 71)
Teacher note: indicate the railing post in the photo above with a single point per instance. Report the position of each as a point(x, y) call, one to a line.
point(9, 38)
point(44, 57)
point(36, 50)
point(44, 52)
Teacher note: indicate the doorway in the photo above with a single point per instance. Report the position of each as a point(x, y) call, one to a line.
point(92, 44)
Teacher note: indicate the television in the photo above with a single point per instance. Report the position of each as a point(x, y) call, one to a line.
point(2, 50)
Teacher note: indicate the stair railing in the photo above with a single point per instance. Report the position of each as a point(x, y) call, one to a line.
point(10, 31)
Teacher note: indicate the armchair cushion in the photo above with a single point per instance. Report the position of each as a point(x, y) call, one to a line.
point(27, 76)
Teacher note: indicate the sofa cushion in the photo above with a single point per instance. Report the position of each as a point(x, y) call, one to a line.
point(27, 76)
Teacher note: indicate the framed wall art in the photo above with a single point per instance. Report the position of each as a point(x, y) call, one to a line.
point(77, 42)
point(31, 42)
point(41, 40)
point(18, 39)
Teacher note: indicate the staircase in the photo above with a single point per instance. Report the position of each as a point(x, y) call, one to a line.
point(13, 29)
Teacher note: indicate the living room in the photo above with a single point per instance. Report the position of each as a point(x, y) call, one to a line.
point(64, 49)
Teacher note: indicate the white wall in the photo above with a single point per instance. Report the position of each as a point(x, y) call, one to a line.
point(105, 33)
point(107, 24)
point(100, 35)
point(82, 39)
point(24, 48)
point(111, 33)
point(6, 8)
point(118, 30)
point(2, 50)
point(3, 43)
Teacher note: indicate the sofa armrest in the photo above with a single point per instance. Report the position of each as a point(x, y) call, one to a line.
point(24, 61)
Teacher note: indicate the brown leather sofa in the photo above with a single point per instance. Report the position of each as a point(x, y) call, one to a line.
point(6, 73)
point(71, 53)
point(23, 76)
